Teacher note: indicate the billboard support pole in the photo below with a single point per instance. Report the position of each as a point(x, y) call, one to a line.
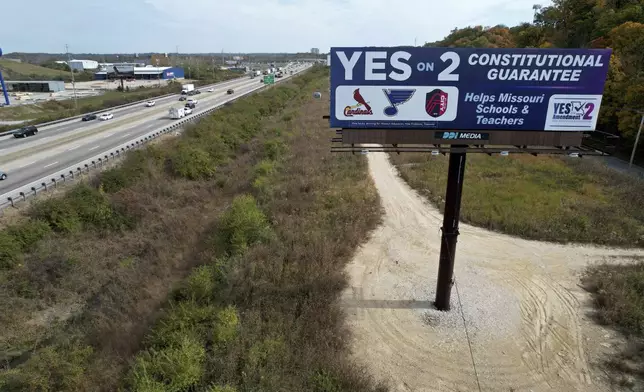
point(449, 230)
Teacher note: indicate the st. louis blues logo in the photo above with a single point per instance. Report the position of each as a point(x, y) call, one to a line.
point(396, 98)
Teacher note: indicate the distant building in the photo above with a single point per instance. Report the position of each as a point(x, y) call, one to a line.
point(60, 62)
point(80, 65)
point(315, 51)
point(35, 86)
point(145, 73)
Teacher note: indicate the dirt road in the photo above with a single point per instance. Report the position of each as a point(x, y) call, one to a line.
point(519, 320)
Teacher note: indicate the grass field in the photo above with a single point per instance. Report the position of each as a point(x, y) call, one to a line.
point(12, 70)
point(208, 262)
point(545, 198)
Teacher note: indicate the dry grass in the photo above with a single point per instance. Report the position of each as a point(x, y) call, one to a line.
point(77, 303)
point(544, 198)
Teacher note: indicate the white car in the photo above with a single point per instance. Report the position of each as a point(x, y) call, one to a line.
point(187, 111)
point(106, 116)
point(150, 103)
point(190, 100)
point(210, 90)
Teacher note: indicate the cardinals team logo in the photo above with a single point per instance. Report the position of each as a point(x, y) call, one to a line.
point(361, 109)
point(436, 103)
point(396, 98)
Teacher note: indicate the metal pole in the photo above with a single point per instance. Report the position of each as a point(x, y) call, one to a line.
point(73, 82)
point(637, 139)
point(449, 230)
point(158, 73)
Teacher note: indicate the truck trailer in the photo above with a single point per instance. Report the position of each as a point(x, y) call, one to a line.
point(176, 113)
point(186, 88)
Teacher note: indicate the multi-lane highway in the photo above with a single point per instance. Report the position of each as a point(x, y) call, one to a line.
point(62, 145)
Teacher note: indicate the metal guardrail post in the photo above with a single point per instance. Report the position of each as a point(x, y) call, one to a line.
point(23, 196)
point(11, 201)
point(33, 189)
point(55, 183)
point(63, 177)
point(44, 185)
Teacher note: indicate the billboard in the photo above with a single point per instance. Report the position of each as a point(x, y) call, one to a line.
point(122, 70)
point(467, 88)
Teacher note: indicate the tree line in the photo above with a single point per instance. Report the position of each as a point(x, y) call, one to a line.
point(616, 24)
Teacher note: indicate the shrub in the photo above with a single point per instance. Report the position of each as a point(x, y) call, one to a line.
point(27, 234)
point(227, 325)
point(58, 213)
point(242, 225)
point(10, 250)
point(274, 148)
point(192, 162)
point(200, 285)
point(182, 319)
point(171, 369)
point(322, 381)
point(218, 388)
point(54, 368)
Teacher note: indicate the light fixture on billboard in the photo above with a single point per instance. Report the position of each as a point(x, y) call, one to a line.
point(364, 152)
point(435, 153)
point(504, 153)
point(574, 155)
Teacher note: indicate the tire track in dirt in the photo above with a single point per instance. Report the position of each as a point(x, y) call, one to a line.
point(520, 302)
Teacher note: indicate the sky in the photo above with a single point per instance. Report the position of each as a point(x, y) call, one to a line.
point(241, 26)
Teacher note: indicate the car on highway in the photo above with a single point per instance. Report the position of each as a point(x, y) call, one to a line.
point(106, 116)
point(182, 98)
point(190, 105)
point(29, 130)
point(197, 92)
point(210, 90)
point(230, 91)
point(193, 101)
point(150, 104)
point(89, 117)
point(187, 110)
point(3, 175)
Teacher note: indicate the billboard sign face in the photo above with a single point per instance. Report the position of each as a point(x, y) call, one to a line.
point(123, 70)
point(469, 89)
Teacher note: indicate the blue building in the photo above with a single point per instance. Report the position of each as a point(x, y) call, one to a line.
point(143, 73)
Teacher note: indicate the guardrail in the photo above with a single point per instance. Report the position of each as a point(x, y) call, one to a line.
point(98, 161)
point(118, 107)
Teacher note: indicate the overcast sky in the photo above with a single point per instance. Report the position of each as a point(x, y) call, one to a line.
point(129, 26)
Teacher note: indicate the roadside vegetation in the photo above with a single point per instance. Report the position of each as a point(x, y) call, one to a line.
point(208, 262)
point(619, 298)
point(55, 110)
point(543, 198)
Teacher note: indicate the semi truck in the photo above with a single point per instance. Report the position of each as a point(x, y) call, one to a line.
point(176, 113)
point(186, 88)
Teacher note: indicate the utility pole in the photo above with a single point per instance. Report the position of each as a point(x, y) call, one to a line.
point(73, 81)
point(637, 139)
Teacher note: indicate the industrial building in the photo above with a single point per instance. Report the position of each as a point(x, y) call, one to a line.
point(141, 73)
point(35, 86)
point(81, 65)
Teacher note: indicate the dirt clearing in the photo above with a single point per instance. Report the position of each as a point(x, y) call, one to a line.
point(518, 301)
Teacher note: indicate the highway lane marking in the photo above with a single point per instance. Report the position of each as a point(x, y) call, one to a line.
point(73, 147)
point(51, 164)
point(27, 164)
point(127, 134)
point(107, 135)
point(93, 148)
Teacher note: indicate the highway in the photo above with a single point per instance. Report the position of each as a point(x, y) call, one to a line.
point(63, 145)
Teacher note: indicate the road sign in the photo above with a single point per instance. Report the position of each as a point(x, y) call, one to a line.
point(468, 89)
point(269, 79)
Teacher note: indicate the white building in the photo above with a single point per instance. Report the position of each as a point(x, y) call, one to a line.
point(83, 64)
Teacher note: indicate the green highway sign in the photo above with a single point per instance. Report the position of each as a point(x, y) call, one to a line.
point(269, 79)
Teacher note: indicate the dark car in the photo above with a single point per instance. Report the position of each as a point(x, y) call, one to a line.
point(89, 117)
point(230, 91)
point(197, 92)
point(191, 105)
point(182, 98)
point(3, 175)
point(29, 130)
